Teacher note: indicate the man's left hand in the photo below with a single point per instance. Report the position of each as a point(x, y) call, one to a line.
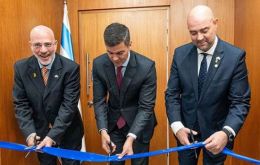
point(216, 142)
point(127, 148)
point(47, 142)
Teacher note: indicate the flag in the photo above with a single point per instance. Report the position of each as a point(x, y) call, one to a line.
point(66, 50)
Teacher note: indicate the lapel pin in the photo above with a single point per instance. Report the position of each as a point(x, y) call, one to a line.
point(216, 65)
point(217, 59)
point(56, 76)
point(34, 75)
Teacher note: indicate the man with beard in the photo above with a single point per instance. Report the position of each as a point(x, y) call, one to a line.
point(208, 92)
point(46, 93)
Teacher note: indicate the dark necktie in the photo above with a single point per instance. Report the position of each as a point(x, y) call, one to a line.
point(119, 77)
point(202, 73)
point(44, 75)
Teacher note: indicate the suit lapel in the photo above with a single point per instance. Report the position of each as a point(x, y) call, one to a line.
point(54, 75)
point(128, 76)
point(35, 75)
point(213, 67)
point(111, 76)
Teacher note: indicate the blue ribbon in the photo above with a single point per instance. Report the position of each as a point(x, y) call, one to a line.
point(241, 157)
point(92, 157)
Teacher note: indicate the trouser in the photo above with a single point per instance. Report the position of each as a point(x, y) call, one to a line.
point(118, 136)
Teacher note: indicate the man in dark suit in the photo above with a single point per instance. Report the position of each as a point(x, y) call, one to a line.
point(124, 96)
point(46, 103)
point(208, 92)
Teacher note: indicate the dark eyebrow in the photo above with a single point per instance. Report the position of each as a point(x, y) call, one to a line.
point(115, 52)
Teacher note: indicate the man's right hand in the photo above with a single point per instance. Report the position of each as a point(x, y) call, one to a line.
point(107, 143)
point(183, 135)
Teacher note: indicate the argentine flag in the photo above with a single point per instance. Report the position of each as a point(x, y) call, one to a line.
point(66, 50)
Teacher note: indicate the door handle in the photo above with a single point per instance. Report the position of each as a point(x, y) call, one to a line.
point(87, 71)
point(90, 103)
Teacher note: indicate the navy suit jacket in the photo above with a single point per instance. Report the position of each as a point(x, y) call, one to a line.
point(136, 99)
point(225, 94)
point(37, 106)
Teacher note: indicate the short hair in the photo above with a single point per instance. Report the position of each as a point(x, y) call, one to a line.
point(116, 33)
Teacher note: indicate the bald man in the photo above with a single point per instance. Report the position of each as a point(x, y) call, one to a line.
point(208, 95)
point(45, 95)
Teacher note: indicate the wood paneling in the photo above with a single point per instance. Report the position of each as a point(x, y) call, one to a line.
point(73, 17)
point(108, 4)
point(247, 36)
point(17, 19)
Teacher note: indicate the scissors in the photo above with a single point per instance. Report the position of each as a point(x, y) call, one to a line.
point(31, 148)
point(110, 144)
point(193, 141)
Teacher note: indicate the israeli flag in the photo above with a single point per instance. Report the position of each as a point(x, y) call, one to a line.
point(66, 50)
point(66, 43)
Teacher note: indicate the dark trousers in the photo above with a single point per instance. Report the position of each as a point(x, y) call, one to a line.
point(188, 157)
point(118, 136)
point(46, 159)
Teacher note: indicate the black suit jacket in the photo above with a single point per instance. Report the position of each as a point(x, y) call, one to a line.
point(136, 99)
point(225, 94)
point(37, 106)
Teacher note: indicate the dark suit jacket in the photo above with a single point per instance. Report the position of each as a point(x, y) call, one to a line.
point(136, 99)
point(36, 105)
point(225, 94)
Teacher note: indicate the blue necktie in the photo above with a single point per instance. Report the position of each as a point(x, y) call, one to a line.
point(202, 73)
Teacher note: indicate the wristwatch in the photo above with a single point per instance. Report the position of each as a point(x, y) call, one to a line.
point(229, 134)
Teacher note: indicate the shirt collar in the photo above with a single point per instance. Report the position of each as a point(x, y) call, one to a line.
point(127, 60)
point(212, 49)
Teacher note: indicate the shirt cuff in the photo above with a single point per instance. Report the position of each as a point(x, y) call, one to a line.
point(28, 137)
point(230, 130)
point(176, 126)
point(132, 135)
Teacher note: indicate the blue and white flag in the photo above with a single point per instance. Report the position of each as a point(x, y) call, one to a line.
point(66, 42)
point(66, 50)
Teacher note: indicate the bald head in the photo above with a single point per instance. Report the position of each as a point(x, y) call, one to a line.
point(200, 13)
point(41, 30)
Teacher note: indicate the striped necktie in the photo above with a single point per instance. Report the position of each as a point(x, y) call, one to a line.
point(44, 74)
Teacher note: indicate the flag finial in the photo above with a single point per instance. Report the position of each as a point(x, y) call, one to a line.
point(65, 2)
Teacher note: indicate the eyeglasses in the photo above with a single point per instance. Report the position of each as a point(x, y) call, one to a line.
point(38, 45)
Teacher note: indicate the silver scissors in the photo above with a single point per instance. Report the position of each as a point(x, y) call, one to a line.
point(110, 144)
point(193, 141)
point(31, 148)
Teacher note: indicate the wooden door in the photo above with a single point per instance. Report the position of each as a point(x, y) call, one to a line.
point(149, 35)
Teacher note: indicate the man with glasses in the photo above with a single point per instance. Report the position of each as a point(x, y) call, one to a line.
point(45, 94)
point(124, 96)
